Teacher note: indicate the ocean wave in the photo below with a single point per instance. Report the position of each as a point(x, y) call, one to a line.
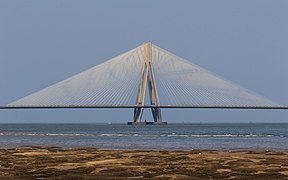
point(141, 135)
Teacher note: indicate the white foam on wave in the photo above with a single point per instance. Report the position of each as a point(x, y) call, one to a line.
point(142, 135)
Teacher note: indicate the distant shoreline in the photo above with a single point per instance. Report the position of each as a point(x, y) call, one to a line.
point(125, 123)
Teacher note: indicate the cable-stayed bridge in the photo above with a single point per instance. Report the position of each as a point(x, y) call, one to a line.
point(145, 77)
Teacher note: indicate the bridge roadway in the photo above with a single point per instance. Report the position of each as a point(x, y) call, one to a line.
point(137, 106)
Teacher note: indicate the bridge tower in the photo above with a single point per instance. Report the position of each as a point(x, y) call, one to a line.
point(147, 78)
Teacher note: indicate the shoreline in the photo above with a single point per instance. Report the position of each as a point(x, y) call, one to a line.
point(67, 148)
point(145, 149)
point(53, 162)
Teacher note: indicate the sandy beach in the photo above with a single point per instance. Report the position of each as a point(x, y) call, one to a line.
point(91, 163)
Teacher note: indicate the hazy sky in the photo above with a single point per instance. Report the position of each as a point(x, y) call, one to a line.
point(43, 42)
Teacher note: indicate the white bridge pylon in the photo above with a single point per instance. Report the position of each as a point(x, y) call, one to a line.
point(147, 77)
point(122, 82)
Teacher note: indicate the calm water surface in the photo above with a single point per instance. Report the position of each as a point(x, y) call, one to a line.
point(220, 136)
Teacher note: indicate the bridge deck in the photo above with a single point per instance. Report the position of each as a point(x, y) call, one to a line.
point(145, 106)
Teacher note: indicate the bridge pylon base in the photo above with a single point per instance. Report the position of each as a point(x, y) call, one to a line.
point(147, 123)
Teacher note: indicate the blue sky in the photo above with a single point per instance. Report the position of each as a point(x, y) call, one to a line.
point(43, 42)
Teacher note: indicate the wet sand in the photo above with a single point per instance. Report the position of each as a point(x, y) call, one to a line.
point(90, 163)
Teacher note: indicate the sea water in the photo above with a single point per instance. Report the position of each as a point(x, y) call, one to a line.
point(216, 136)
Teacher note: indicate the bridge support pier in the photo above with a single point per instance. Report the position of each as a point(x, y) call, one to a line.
point(147, 78)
